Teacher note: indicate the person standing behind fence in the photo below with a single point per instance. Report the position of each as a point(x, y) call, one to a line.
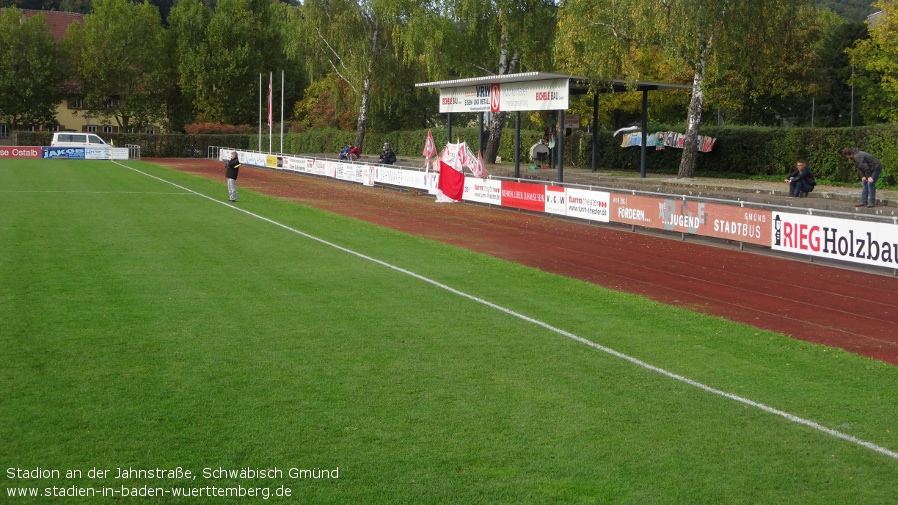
point(801, 180)
point(232, 168)
point(869, 168)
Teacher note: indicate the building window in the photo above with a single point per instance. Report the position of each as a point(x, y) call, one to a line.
point(77, 103)
point(151, 131)
point(4, 131)
point(107, 129)
point(92, 129)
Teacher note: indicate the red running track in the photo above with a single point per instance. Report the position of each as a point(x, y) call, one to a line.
point(853, 310)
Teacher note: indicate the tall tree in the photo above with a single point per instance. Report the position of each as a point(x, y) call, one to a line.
point(470, 38)
point(351, 39)
point(221, 54)
point(30, 71)
point(701, 36)
point(876, 59)
point(119, 64)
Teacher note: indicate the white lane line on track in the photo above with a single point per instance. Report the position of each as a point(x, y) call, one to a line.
point(559, 331)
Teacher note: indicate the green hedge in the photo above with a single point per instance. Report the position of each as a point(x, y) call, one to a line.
point(754, 152)
point(739, 151)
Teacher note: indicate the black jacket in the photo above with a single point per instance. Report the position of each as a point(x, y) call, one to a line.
point(233, 167)
point(387, 156)
point(805, 175)
point(865, 163)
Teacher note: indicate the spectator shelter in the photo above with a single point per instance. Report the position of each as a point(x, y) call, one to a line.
point(536, 91)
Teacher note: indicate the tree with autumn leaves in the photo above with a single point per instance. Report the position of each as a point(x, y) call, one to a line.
point(352, 64)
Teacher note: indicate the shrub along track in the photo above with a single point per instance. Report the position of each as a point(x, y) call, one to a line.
point(853, 310)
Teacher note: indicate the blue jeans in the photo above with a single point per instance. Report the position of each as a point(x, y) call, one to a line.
point(868, 189)
point(799, 186)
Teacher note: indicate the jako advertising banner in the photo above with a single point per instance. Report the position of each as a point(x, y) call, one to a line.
point(72, 153)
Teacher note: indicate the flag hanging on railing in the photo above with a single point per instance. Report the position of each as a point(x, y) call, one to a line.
point(430, 148)
point(478, 168)
point(452, 181)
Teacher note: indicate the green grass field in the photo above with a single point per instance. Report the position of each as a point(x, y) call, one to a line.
point(145, 326)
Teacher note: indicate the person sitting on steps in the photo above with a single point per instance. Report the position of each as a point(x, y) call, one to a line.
point(801, 180)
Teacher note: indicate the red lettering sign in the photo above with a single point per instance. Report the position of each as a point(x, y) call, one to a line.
point(20, 152)
point(494, 97)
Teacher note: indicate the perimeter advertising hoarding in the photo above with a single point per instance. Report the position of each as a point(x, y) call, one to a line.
point(295, 164)
point(106, 153)
point(483, 191)
point(522, 195)
point(353, 172)
point(405, 178)
point(548, 94)
point(20, 152)
point(555, 200)
point(874, 244)
point(590, 205)
point(72, 153)
point(696, 218)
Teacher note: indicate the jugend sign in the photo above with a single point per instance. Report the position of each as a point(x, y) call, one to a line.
point(857, 241)
point(547, 94)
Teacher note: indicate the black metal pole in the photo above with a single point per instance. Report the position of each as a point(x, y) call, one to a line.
point(449, 128)
point(559, 144)
point(517, 145)
point(480, 131)
point(595, 131)
point(645, 133)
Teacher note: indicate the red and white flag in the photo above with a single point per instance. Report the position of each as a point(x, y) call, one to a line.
point(452, 181)
point(430, 149)
point(269, 98)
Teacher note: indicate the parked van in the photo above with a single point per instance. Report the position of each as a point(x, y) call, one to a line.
point(72, 139)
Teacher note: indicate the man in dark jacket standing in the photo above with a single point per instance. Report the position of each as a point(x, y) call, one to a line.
point(232, 169)
point(869, 168)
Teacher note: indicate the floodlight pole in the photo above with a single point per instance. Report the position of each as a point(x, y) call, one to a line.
point(282, 113)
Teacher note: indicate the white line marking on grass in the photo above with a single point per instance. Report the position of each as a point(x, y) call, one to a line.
point(99, 192)
point(608, 350)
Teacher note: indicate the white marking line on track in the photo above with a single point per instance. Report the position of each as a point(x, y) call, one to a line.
point(564, 333)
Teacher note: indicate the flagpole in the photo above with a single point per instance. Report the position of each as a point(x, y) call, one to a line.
point(282, 112)
point(270, 134)
point(260, 111)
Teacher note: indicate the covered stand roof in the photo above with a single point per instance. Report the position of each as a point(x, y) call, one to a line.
point(576, 85)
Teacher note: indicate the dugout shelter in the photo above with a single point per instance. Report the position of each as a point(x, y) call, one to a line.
point(538, 91)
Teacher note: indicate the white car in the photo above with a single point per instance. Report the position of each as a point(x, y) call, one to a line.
point(73, 139)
